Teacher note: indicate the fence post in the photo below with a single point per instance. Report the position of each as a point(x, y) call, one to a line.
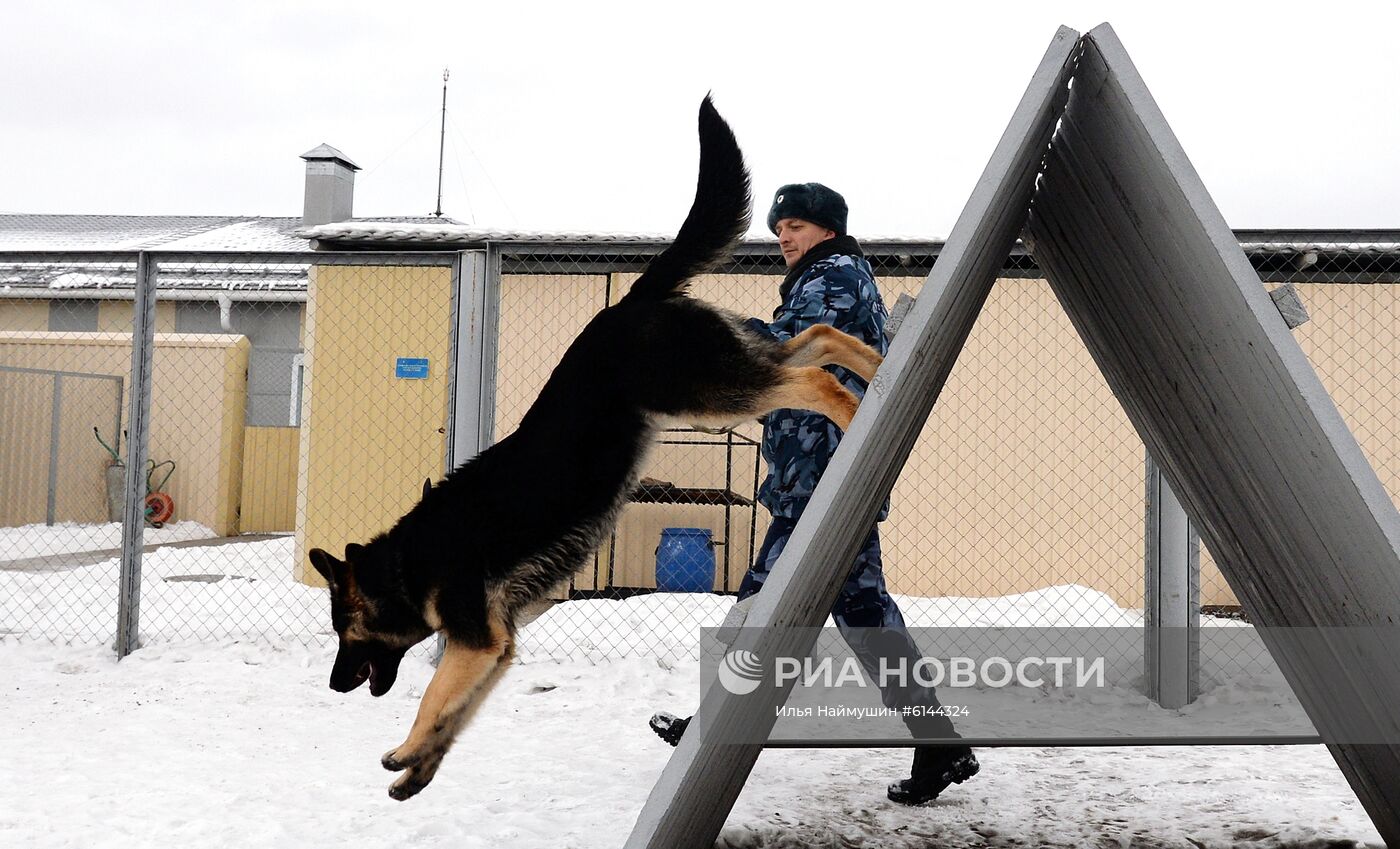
point(477, 300)
point(138, 448)
point(472, 389)
point(55, 434)
point(1172, 597)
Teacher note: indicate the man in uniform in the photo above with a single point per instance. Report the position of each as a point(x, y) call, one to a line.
point(829, 281)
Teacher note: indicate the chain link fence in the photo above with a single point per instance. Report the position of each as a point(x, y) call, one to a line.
point(253, 454)
point(1022, 504)
point(65, 361)
point(302, 400)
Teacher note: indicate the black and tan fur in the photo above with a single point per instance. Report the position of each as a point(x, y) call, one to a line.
point(505, 528)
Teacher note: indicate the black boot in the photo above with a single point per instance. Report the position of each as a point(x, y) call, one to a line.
point(935, 767)
point(669, 727)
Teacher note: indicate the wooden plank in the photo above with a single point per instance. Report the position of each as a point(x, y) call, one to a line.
point(1224, 398)
point(269, 479)
point(697, 789)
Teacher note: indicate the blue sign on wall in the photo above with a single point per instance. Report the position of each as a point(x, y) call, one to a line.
point(412, 368)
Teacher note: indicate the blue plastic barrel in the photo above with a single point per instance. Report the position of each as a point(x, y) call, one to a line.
point(685, 561)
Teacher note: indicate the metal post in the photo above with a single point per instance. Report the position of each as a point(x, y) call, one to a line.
point(138, 448)
point(472, 386)
point(753, 508)
point(1172, 603)
point(477, 302)
point(728, 504)
point(55, 419)
point(455, 337)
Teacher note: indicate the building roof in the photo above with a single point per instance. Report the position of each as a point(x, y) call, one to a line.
point(37, 235)
point(445, 235)
point(433, 232)
point(41, 239)
point(249, 233)
point(146, 232)
point(1350, 240)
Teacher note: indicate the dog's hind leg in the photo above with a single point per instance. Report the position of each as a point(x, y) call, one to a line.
point(824, 345)
point(463, 679)
point(811, 388)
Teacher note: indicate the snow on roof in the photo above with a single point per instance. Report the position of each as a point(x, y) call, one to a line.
point(243, 277)
point(1313, 245)
point(129, 233)
point(256, 235)
point(247, 233)
point(452, 233)
point(147, 232)
point(433, 231)
point(1349, 241)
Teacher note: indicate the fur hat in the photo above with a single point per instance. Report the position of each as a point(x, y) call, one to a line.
point(811, 202)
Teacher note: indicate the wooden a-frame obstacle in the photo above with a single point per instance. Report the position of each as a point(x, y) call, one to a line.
point(1207, 371)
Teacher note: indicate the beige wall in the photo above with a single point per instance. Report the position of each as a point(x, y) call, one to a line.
point(117, 316)
point(24, 315)
point(1028, 473)
point(198, 395)
point(113, 315)
point(269, 501)
point(540, 316)
point(369, 439)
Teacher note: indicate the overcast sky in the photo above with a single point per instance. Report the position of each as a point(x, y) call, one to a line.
point(582, 115)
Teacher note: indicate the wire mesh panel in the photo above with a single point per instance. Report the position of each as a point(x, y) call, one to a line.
point(65, 362)
point(1026, 480)
point(294, 406)
point(1022, 501)
point(300, 402)
point(1025, 483)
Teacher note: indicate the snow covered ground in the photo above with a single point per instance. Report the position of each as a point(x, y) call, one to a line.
point(237, 744)
point(69, 537)
point(220, 732)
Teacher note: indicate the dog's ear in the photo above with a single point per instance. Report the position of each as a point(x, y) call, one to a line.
point(427, 486)
point(331, 569)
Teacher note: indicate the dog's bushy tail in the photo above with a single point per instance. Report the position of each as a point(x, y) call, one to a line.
point(718, 218)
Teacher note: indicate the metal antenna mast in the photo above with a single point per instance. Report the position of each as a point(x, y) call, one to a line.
point(442, 136)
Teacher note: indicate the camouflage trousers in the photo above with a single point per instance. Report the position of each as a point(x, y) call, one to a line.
point(868, 619)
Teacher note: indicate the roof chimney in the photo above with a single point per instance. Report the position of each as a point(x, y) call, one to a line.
point(330, 186)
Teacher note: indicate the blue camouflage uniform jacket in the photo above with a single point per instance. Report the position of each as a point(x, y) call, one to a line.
point(833, 284)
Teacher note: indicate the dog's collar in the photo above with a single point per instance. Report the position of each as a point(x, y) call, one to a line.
point(838, 246)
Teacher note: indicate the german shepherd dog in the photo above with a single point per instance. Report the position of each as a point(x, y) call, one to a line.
point(504, 528)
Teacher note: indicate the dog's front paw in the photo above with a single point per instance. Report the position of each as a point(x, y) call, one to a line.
point(407, 786)
point(415, 779)
point(398, 760)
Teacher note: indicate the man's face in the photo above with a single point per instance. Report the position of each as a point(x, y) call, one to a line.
point(796, 237)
